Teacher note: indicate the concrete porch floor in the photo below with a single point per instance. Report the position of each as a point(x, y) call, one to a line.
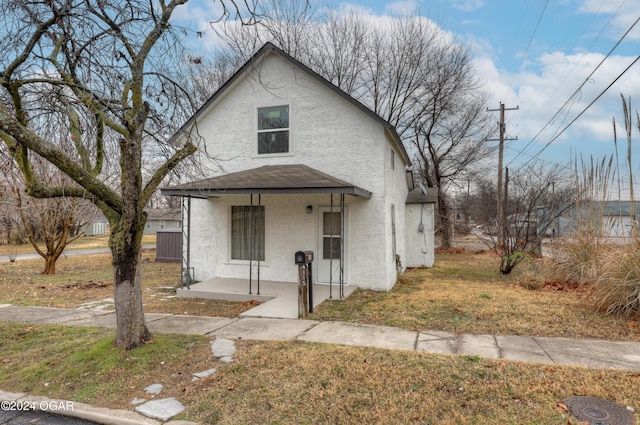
point(279, 299)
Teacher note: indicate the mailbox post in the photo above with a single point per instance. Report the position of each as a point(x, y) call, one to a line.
point(303, 260)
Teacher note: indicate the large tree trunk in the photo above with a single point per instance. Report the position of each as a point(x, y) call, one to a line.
point(131, 330)
point(446, 225)
point(50, 264)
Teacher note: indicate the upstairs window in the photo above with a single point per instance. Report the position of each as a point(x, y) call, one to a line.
point(273, 129)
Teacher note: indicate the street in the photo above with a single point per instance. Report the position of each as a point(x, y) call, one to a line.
point(38, 417)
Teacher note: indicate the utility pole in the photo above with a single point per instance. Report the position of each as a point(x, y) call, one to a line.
point(501, 219)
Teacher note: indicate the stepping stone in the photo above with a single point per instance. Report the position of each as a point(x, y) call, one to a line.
point(201, 375)
point(162, 410)
point(222, 347)
point(154, 389)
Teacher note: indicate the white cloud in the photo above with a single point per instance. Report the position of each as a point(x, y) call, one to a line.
point(541, 94)
point(466, 5)
point(403, 7)
point(623, 14)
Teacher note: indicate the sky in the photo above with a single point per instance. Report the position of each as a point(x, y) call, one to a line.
point(534, 55)
point(549, 58)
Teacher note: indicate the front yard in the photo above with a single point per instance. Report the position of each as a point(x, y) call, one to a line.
point(298, 383)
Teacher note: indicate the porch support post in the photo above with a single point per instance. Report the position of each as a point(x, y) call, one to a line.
point(330, 247)
point(342, 236)
point(250, 242)
point(259, 203)
point(185, 212)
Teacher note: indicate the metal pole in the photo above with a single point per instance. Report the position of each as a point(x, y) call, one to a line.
point(250, 243)
point(310, 289)
point(341, 245)
point(185, 211)
point(330, 249)
point(259, 203)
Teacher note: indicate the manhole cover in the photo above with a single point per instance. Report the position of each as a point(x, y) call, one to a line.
point(597, 411)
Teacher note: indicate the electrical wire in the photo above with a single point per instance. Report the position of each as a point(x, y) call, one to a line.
point(581, 113)
point(574, 94)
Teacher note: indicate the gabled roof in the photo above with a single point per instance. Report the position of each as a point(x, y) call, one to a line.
point(256, 60)
point(269, 179)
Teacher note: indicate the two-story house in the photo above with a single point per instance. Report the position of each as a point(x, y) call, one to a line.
point(300, 165)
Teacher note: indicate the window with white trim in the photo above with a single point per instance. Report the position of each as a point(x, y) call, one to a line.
point(273, 129)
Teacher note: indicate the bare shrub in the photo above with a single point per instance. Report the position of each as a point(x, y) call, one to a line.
point(532, 273)
point(617, 288)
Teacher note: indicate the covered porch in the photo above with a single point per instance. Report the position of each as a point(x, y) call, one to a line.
point(279, 300)
point(255, 220)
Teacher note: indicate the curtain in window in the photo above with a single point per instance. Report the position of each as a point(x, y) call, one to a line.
point(241, 233)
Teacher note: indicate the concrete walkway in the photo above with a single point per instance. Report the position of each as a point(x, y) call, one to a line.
point(589, 353)
point(581, 352)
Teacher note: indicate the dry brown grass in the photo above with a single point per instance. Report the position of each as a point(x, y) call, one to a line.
point(299, 383)
point(465, 293)
point(84, 242)
point(87, 278)
point(462, 293)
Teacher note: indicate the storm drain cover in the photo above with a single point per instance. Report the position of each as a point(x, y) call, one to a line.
point(597, 411)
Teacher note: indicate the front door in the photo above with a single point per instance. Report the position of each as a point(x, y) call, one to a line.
point(330, 239)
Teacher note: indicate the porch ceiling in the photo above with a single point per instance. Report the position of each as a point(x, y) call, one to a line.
point(269, 179)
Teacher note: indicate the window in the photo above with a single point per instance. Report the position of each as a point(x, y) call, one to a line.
point(331, 235)
point(242, 234)
point(393, 159)
point(273, 129)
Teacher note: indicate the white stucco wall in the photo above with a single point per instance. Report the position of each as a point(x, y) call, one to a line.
point(419, 245)
point(327, 133)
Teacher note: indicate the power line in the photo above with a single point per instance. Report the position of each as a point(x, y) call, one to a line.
point(583, 111)
point(584, 53)
point(575, 93)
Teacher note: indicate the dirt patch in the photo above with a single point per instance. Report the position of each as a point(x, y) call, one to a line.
point(87, 285)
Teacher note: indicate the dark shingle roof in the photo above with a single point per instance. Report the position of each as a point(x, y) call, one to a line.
point(423, 195)
point(269, 179)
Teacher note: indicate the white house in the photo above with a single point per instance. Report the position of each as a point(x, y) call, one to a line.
point(301, 165)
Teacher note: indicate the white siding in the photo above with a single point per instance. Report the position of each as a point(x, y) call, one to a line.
point(419, 245)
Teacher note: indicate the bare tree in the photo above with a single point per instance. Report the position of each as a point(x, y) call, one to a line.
point(537, 196)
point(406, 70)
point(56, 221)
point(109, 70)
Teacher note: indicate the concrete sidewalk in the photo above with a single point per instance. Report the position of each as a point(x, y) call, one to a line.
point(582, 352)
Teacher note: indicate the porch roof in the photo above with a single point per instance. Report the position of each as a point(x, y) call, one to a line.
point(269, 179)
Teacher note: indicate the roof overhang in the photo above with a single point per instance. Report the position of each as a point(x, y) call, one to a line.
point(270, 179)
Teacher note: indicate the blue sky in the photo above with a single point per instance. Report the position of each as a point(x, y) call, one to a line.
point(536, 54)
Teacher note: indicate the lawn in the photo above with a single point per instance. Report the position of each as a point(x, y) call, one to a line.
point(298, 383)
point(465, 293)
point(83, 242)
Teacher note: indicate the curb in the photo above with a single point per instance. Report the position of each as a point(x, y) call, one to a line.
point(72, 409)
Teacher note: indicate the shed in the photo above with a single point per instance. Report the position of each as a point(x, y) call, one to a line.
point(169, 245)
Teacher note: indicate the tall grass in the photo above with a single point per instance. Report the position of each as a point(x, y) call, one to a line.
point(588, 256)
point(617, 288)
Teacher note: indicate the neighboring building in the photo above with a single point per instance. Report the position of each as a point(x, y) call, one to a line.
point(98, 226)
point(162, 218)
point(613, 219)
point(304, 167)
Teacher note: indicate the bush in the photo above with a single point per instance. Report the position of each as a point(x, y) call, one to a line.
point(617, 289)
point(578, 259)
